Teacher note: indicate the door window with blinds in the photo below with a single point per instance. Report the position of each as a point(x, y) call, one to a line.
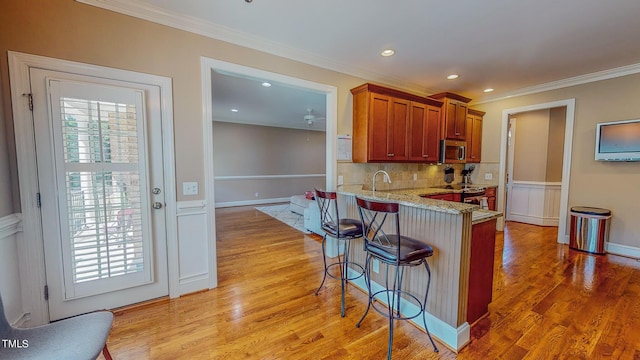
point(99, 143)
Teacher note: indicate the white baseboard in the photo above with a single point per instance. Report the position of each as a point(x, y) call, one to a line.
point(251, 202)
point(454, 338)
point(534, 220)
point(623, 250)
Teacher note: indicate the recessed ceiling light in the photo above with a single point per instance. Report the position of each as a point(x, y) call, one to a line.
point(266, 84)
point(453, 76)
point(488, 90)
point(387, 52)
point(234, 110)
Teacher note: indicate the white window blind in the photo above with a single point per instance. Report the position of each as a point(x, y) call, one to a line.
point(100, 145)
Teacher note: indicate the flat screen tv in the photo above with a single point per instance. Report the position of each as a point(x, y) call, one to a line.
point(618, 140)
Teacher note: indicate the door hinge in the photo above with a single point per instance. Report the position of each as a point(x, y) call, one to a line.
point(38, 200)
point(30, 100)
point(46, 292)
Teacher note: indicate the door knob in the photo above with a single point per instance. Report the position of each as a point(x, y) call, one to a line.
point(157, 205)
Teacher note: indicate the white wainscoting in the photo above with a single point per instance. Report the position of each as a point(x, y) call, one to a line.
point(536, 203)
point(196, 268)
point(10, 288)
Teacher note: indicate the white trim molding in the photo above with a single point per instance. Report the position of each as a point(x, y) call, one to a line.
point(268, 177)
point(30, 243)
point(198, 26)
point(623, 250)
point(207, 65)
point(196, 270)
point(570, 104)
point(252, 202)
point(10, 225)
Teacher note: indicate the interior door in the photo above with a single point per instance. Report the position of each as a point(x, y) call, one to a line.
point(99, 154)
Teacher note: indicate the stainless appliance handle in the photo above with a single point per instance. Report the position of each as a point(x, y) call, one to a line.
point(461, 152)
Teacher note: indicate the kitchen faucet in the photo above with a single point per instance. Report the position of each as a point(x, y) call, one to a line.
point(385, 178)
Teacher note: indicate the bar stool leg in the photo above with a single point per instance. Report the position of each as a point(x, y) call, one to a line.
point(324, 260)
point(424, 307)
point(343, 273)
point(367, 280)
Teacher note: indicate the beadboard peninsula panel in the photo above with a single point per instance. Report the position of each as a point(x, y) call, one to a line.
point(450, 236)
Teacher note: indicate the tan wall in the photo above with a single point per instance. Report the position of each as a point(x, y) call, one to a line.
point(592, 183)
point(555, 146)
point(6, 199)
point(249, 150)
point(69, 30)
point(530, 152)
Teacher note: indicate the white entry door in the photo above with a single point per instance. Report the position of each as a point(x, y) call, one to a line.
point(100, 176)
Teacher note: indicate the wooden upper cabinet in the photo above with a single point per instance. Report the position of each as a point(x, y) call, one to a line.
point(454, 116)
point(385, 122)
point(474, 135)
point(424, 133)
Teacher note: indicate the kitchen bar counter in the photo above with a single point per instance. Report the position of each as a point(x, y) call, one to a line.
point(447, 227)
point(412, 197)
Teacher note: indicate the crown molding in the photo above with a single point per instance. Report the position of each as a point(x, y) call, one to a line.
point(564, 83)
point(198, 26)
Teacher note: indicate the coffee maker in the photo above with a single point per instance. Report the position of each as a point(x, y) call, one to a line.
point(466, 174)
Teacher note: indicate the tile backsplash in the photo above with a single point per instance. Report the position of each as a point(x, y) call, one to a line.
point(402, 175)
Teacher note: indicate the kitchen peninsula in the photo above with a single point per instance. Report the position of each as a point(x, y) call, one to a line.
point(447, 226)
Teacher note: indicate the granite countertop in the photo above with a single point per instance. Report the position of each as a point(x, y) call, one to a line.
point(411, 197)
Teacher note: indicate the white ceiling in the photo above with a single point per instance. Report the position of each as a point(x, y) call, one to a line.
point(513, 46)
point(278, 105)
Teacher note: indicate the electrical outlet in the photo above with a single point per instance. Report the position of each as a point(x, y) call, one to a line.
point(415, 177)
point(257, 194)
point(376, 266)
point(488, 176)
point(189, 188)
point(340, 180)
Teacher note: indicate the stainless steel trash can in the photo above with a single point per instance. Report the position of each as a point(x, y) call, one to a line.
point(589, 229)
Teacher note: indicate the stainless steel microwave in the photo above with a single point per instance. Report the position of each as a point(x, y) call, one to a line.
point(453, 152)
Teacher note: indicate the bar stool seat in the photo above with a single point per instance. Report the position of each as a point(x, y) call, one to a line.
point(344, 230)
point(393, 250)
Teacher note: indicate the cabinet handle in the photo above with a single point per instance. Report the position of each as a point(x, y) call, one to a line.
point(391, 155)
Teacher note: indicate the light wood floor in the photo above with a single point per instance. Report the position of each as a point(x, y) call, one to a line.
point(549, 302)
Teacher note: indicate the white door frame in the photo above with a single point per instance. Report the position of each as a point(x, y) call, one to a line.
point(207, 65)
point(570, 104)
point(30, 240)
point(511, 127)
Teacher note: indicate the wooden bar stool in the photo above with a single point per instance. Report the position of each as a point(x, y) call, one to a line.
point(344, 230)
point(396, 251)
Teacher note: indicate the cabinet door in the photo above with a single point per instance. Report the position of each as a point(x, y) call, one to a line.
point(379, 117)
point(397, 130)
point(424, 133)
point(474, 138)
point(455, 120)
point(431, 140)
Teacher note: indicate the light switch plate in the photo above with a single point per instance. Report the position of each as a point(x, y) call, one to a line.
point(488, 176)
point(189, 188)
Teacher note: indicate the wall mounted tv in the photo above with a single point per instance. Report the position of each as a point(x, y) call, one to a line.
point(618, 140)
